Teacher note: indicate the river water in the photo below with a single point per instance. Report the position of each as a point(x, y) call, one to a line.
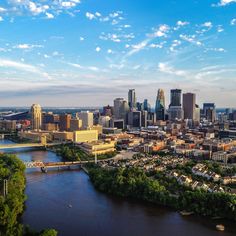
point(67, 201)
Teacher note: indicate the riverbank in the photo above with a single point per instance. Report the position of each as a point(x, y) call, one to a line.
point(12, 198)
point(133, 183)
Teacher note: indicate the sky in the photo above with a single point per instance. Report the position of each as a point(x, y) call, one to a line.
point(88, 52)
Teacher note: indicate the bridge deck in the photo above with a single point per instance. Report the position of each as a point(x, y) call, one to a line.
point(39, 164)
point(28, 145)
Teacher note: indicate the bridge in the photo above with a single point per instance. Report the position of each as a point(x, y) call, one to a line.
point(28, 145)
point(46, 165)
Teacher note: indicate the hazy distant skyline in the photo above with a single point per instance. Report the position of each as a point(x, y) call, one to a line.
point(88, 52)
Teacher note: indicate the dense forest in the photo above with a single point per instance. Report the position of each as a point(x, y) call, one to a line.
point(133, 183)
point(12, 200)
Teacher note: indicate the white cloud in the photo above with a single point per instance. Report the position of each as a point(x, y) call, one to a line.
point(109, 51)
point(22, 66)
point(220, 29)
point(127, 26)
point(216, 49)
point(160, 32)
point(223, 3)
point(98, 14)
point(165, 68)
point(97, 49)
point(207, 24)
point(68, 4)
point(81, 38)
point(90, 16)
point(137, 47)
point(27, 46)
point(233, 22)
point(2, 9)
point(153, 45)
point(91, 68)
point(49, 15)
point(35, 8)
point(182, 23)
point(190, 39)
point(1, 19)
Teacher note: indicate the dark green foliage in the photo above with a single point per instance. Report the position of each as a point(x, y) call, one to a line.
point(12, 169)
point(12, 205)
point(165, 191)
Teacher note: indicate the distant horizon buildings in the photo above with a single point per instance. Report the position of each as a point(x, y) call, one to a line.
point(182, 107)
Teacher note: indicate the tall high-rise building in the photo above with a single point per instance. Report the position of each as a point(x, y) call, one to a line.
point(189, 103)
point(160, 105)
point(47, 118)
point(36, 117)
point(107, 111)
point(75, 124)
point(64, 122)
point(197, 113)
point(175, 97)
point(132, 99)
point(135, 119)
point(87, 119)
point(121, 109)
point(209, 111)
point(118, 103)
point(146, 106)
point(175, 109)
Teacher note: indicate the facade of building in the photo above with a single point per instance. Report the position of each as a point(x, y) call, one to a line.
point(175, 97)
point(107, 111)
point(209, 111)
point(104, 121)
point(132, 99)
point(36, 117)
point(64, 122)
point(146, 106)
point(175, 108)
point(160, 105)
point(87, 119)
point(135, 119)
point(7, 125)
point(84, 136)
point(189, 101)
point(75, 124)
point(98, 147)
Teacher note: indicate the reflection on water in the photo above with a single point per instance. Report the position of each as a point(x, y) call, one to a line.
point(67, 201)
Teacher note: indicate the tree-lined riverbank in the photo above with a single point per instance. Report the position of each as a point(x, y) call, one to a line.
point(133, 183)
point(12, 198)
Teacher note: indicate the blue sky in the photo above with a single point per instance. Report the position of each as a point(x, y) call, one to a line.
point(86, 53)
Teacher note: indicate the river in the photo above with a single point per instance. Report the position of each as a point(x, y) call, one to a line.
point(67, 201)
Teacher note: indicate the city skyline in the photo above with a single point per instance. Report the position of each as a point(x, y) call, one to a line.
point(86, 53)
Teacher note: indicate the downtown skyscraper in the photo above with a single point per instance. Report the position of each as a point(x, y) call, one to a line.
point(132, 99)
point(36, 117)
point(160, 105)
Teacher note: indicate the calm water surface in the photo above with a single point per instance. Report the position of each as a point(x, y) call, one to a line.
point(67, 201)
